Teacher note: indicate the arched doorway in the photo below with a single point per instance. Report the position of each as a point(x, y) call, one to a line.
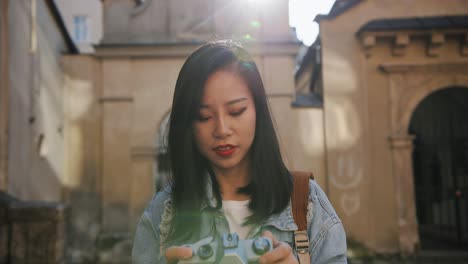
point(440, 166)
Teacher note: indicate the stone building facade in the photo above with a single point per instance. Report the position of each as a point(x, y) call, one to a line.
point(33, 39)
point(119, 98)
point(396, 178)
point(32, 216)
point(83, 20)
point(88, 129)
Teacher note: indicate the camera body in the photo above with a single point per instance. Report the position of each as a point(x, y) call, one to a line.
point(228, 249)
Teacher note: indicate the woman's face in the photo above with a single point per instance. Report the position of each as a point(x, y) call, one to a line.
point(225, 127)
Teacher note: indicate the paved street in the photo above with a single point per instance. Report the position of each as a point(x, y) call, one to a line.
point(359, 255)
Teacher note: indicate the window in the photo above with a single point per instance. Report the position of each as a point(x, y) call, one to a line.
point(81, 29)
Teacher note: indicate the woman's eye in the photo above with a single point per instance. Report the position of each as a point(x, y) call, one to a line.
point(238, 113)
point(203, 118)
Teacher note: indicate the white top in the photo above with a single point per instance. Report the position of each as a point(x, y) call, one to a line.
point(236, 212)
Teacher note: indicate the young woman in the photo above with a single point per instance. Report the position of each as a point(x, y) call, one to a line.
point(227, 171)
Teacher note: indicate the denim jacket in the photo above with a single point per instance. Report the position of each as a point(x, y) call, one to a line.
point(327, 239)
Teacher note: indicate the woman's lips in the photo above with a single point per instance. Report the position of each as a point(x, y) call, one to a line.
point(225, 150)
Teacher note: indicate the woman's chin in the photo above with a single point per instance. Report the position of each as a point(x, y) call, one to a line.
point(226, 165)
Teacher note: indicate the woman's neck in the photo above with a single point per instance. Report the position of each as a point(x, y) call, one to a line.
point(230, 180)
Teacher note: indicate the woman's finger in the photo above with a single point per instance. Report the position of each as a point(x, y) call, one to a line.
point(282, 252)
point(175, 253)
point(272, 237)
point(279, 255)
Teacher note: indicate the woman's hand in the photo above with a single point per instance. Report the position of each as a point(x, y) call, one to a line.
point(174, 254)
point(281, 253)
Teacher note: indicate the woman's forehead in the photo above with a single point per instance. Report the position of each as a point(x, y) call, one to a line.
point(225, 87)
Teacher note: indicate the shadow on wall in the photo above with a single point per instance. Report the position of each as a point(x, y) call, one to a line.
point(344, 136)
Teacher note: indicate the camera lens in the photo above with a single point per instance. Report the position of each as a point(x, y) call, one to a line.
point(205, 251)
point(261, 245)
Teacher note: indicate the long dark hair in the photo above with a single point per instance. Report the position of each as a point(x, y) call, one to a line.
point(271, 184)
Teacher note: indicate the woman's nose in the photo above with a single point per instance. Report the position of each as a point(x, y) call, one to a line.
point(222, 128)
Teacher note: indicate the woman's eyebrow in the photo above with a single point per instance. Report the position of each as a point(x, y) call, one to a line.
point(235, 101)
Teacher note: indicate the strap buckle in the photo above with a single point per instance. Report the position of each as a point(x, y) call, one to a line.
point(301, 241)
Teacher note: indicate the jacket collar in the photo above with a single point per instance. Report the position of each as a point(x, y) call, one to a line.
point(283, 221)
point(210, 200)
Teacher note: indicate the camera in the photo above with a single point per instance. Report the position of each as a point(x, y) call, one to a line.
point(228, 249)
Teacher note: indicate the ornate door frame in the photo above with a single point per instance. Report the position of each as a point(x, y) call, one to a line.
point(409, 84)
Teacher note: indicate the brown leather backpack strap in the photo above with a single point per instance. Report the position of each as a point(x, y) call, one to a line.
point(299, 198)
point(299, 202)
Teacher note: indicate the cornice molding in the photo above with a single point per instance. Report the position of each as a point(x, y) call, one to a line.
point(401, 39)
point(424, 67)
point(401, 141)
point(182, 50)
point(115, 99)
point(143, 152)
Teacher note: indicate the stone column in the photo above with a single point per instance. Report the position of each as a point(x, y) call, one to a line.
point(142, 184)
point(114, 241)
point(82, 152)
point(402, 149)
point(116, 163)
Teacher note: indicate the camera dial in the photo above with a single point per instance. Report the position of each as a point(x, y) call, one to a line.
point(205, 251)
point(260, 246)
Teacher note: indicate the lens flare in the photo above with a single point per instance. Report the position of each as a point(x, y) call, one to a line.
point(247, 37)
point(255, 24)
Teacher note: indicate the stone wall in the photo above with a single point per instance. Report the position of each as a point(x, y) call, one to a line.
point(365, 92)
point(4, 93)
point(35, 158)
point(164, 21)
point(32, 156)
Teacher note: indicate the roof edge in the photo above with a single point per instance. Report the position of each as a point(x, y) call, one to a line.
point(63, 29)
point(339, 7)
point(427, 23)
point(308, 58)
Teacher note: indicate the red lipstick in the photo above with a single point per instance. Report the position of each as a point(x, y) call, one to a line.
point(225, 150)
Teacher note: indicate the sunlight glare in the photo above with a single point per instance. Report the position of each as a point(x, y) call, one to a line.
point(257, 1)
point(302, 14)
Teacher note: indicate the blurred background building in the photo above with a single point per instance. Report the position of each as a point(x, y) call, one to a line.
point(33, 39)
point(83, 20)
point(375, 107)
point(393, 78)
